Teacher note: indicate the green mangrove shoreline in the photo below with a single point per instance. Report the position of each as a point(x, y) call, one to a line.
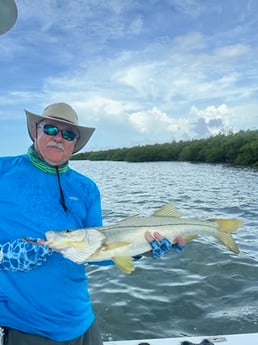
point(239, 149)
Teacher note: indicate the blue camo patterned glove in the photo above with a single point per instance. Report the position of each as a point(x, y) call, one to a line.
point(159, 248)
point(23, 255)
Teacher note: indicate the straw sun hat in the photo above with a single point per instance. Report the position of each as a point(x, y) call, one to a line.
point(63, 113)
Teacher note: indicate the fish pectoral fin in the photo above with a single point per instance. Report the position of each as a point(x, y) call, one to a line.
point(168, 210)
point(124, 263)
point(115, 245)
point(190, 238)
point(74, 244)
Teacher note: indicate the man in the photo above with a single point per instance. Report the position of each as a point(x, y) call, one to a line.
point(43, 296)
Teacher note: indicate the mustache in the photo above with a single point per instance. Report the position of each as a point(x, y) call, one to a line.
point(59, 146)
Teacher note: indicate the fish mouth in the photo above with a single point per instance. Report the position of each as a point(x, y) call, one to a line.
point(62, 240)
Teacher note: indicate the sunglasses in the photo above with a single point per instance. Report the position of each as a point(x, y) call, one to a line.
point(54, 130)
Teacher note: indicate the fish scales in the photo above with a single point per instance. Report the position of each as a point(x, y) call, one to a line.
point(125, 239)
point(135, 233)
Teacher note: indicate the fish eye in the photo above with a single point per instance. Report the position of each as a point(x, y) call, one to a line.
point(67, 231)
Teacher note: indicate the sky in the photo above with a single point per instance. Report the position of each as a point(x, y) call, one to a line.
point(140, 71)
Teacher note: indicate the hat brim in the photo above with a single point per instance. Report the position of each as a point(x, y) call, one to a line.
point(84, 132)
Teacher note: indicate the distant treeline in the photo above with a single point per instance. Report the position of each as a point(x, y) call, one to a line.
point(237, 149)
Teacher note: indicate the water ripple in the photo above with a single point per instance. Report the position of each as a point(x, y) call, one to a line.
point(205, 289)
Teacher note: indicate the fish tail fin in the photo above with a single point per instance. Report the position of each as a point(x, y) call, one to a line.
point(226, 226)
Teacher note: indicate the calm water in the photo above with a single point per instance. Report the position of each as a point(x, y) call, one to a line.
point(205, 290)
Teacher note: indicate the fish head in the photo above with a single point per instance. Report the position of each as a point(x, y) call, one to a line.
point(76, 245)
point(66, 238)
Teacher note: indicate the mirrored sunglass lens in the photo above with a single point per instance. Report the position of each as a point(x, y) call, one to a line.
point(68, 135)
point(51, 130)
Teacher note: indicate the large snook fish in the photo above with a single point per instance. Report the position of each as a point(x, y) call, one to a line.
point(121, 241)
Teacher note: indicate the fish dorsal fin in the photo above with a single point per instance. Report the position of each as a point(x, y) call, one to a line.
point(168, 210)
point(124, 263)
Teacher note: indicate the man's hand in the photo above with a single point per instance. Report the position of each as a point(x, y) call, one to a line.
point(161, 245)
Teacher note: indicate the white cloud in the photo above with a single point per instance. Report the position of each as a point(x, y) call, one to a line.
point(99, 108)
point(152, 121)
point(158, 126)
point(211, 120)
point(212, 112)
point(150, 70)
point(196, 124)
point(233, 51)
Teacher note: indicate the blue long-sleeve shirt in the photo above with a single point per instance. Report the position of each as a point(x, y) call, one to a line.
point(51, 300)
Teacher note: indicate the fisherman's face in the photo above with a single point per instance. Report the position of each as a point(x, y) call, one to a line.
point(54, 149)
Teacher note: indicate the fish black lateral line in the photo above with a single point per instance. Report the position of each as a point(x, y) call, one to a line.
point(126, 239)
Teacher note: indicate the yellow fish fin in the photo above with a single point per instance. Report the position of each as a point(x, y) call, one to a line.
point(114, 245)
point(190, 238)
point(168, 210)
point(74, 244)
point(227, 240)
point(124, 263)
point(226, 226)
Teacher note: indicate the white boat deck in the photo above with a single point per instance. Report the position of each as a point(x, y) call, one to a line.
point(232, 339)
